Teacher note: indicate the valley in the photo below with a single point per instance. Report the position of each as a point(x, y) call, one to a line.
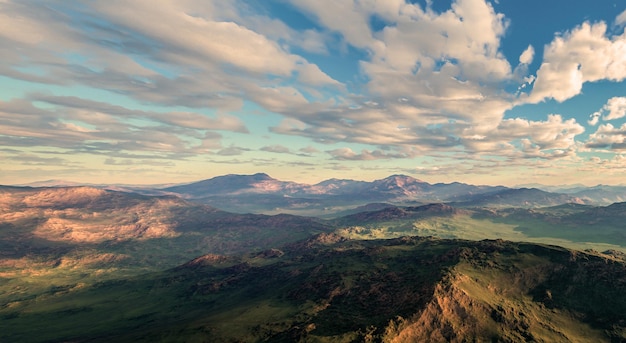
point(392, 260)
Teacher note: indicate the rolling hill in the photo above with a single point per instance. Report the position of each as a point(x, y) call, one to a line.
point(329, 289)
point(522, 197)
point(572, 225)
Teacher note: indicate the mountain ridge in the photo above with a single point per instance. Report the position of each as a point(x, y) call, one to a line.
point(262, 194)
point(329, 289)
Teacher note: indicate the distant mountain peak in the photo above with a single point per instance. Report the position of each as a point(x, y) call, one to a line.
point(400, 178)
point(335, 181)
point(234, 184)
point(251, 177)
point(262, 176)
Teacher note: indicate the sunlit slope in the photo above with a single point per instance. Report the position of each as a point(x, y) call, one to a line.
point(55, 237)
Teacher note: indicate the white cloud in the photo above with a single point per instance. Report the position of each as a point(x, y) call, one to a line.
point(216, 57)
point(616, 108)
point(436, 81)
point(346, 17)
point(312, 75)
point(446, 65)
point(527, 56)
point(77, 125)
point(274, 29)
point(202, 40)
point(442, 65)
point(547, 139)
point(608, 137)
point(594, 118)
point(554, 133)
point(198, 39)
point(584, 54)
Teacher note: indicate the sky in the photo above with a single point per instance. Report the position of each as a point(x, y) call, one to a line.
point(502, 92)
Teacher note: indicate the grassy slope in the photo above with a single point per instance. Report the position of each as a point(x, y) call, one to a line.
point(391, 290)
point(515, 225)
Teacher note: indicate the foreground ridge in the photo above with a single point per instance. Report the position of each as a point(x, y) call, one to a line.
point(330, 289)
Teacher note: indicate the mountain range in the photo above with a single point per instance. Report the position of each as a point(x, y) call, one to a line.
point(260, 193)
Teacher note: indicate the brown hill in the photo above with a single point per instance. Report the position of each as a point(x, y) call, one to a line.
point(399, 213)
point(45, 230)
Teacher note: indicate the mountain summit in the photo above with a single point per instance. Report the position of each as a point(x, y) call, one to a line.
point(235, 184)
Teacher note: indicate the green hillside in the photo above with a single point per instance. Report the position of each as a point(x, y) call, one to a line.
point(329, 289)
point(574, 226)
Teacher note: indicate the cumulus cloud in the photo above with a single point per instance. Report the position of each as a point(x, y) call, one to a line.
point(608, 137)
point(424, 70)
point(584, 54)
point(452, 75)
point(220, 56)
point(616, 108)
point(552, 138)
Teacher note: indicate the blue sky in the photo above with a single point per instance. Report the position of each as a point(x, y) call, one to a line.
point(143, 92)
